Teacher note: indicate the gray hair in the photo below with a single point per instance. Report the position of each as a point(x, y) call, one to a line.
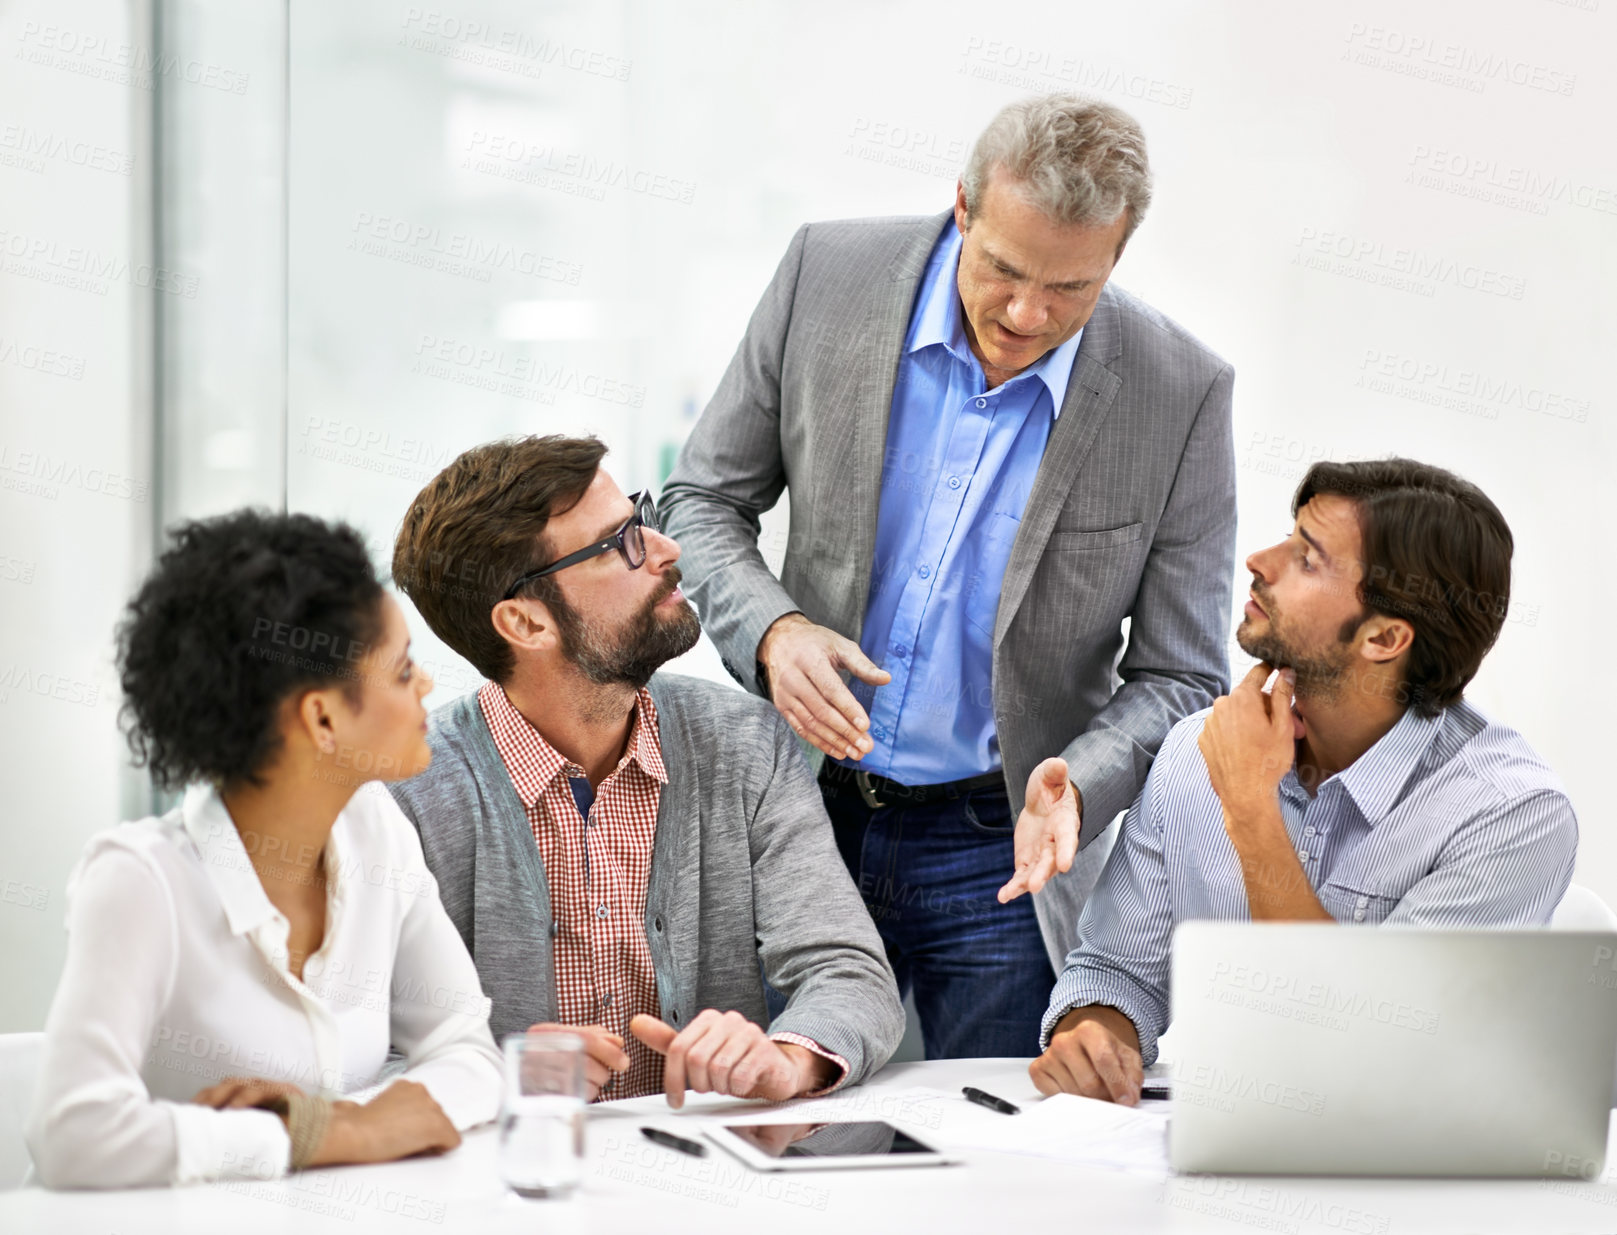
point(1073, 159)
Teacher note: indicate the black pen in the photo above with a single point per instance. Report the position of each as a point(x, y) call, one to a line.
point(669, 1141)
point(991, 1102)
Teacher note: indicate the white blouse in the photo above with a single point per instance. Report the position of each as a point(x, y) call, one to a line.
point(177, 977)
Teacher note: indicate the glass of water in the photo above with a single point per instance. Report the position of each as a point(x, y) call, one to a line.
point(542, 1118)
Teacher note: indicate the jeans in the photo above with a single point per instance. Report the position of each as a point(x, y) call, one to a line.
point(928, 874)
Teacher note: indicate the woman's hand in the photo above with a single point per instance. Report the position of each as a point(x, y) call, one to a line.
point(400, 1122)
point(243, 1092)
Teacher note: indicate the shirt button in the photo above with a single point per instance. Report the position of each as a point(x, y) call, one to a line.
point(982, 402)
point(1308, 831)
point(606, 1000)
point(1364, 902)
point(925, 572)
point(954, 482)
point(602, 911)
point(1303, 854)
point(1358, 915)
point(878, 732)
point(901, 651)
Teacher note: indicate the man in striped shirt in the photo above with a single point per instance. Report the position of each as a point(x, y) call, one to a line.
point(1361, 788)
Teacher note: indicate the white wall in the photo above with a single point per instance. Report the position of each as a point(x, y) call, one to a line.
point(75, 497)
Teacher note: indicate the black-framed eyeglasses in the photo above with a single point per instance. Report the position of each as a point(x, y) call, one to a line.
point(628, 540)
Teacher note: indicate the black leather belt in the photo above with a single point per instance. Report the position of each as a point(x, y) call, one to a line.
point(878, 791)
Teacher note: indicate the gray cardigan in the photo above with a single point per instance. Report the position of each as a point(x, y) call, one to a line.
point(744, 869)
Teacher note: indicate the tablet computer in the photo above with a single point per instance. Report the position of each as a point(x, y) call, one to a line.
point(823, 1146)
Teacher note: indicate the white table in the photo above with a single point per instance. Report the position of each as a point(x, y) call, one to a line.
point(631, 1185)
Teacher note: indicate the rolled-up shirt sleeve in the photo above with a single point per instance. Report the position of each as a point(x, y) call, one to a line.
point(439, 1011)
point(93, 1123)
point(1126, 931)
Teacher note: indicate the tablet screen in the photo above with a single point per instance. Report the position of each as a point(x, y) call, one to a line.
point(863, 1139)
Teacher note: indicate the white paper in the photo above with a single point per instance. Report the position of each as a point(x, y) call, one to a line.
point(1075, 1129)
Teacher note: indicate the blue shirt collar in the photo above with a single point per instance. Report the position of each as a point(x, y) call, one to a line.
point(1376, 778)
point(940, 324)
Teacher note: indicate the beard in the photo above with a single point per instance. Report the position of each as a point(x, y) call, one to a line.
point(629, 656)
point(1319, 670)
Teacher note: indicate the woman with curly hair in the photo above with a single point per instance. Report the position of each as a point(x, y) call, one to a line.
point(238, 963)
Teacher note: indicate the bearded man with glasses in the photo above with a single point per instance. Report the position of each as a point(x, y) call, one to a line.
point(627, 853)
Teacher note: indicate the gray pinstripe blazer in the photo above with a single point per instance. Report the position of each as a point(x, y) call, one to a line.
point(1131, 517)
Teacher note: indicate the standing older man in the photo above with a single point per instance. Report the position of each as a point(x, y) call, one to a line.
point(995, 460)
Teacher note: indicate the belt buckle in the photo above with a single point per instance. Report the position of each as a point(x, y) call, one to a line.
point(861, 778)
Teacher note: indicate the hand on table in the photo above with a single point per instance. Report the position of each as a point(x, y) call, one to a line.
point(603, 1053)
point(1046, 830)
point(400, 1122)
point(243, 1092)
point(1094, 1052)
point(803, 662)
point(725, 1053)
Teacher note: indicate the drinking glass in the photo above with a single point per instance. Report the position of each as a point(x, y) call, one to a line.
point(542, 1118)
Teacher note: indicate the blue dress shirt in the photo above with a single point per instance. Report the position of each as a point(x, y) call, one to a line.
point(959, 465)
point(1447, 821)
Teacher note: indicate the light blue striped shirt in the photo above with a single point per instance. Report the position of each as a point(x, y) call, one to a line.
point(960, 462)
point(1447, 821)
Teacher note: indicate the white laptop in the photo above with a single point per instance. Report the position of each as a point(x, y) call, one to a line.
point(1335, 1050)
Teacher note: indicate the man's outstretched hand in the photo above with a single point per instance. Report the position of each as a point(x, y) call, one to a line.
point(725, 1053)
point(1046, 830)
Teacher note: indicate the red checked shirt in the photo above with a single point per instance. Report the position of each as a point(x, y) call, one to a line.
point(598, 870)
